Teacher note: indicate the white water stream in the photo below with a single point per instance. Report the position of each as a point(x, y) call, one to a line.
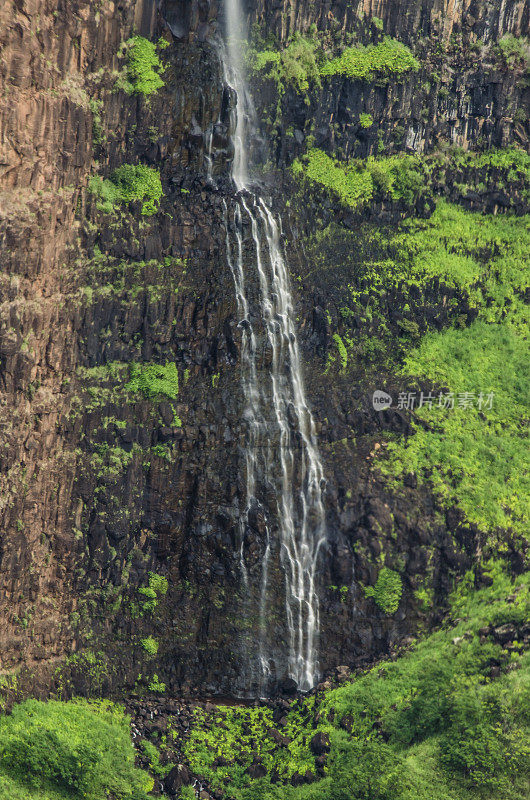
point(276, 410)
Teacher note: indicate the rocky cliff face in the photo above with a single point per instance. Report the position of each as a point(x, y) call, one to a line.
point(101, 487)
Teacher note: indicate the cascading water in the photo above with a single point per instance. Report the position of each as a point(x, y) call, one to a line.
point(276, 411)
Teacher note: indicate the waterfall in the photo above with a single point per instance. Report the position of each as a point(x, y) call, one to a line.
point(281, 447)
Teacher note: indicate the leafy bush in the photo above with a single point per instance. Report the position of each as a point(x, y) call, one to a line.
point(144, 68)
point(353, 187)
point(154, 379)
point(127, 183)
point(387, 590)
point(158, 586)
point(343, 353)
point(302, 62)
point(386, 60)
point(366, 120)
point(515, 49)
point(156, 685)
point(81, 747)
point(296, 65)
point(150, 645)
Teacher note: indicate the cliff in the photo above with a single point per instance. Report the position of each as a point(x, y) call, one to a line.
point(108, 487)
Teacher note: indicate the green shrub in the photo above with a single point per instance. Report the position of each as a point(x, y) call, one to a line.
point(155, 685)
point(353, 187)
point(154, 380)
point(387, 590)
point(150, 645)
point(386, 60)
point(127, 183)
point(80, 747)
point(399, 177)
point(343, 353)
point(153, 756)
point(144, 68)
point(515, 49)
point(366, 120)
point(158, 586)
point(296, 65)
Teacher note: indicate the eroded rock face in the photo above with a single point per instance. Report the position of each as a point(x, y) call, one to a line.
point(97, 488)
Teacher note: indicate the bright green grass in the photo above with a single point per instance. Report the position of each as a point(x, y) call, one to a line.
point(431, 725)
point(477, 461)
point(80, 749)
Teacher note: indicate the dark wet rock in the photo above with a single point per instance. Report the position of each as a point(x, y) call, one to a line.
point(176, 779)
point(320, 744)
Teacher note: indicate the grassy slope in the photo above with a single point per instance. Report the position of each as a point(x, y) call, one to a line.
point(431, 725)
point(81, 749)
point(475, 458)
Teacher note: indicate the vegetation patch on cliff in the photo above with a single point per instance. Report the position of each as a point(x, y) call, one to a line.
point(457, 279)
point(475, 454)
point(296, 65)
point(386, 591)
point(405, 178)
point(154, 379)
point(127, 183)
point(356, 184)
point(143, 72)
point(383, 61)
point(303, 62)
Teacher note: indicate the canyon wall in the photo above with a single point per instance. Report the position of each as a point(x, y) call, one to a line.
point(100, 488)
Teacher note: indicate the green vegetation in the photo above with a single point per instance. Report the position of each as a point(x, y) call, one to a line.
point(474, 456)
point(296, 65)
point(157, 588)
point(155, 685)
point(239, 735)
point(127, 183)
point(143, 67)
point(383, 61)
point(514, 50)
point(154, 380)
point(343, 353)
point(431, 725)
point(302, 63)
point(387, 590)
point(68, 751)
point(366, 120)
point(405, 177)
point(153, 756)
point(358, 182)
point(150, 645)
